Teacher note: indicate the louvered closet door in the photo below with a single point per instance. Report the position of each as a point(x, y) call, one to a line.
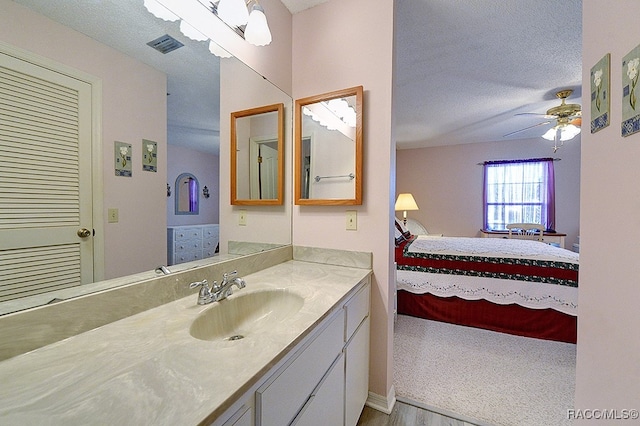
point(45, 180)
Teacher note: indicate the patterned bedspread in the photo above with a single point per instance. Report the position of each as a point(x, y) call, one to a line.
point(510, 259)
point(529, 273)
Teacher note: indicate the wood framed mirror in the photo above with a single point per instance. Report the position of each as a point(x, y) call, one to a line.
point(257, 156)
point(328, 148)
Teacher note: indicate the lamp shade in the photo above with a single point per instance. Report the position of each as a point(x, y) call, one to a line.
point(405, 202)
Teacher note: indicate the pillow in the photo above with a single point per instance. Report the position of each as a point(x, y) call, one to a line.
point(401, 233)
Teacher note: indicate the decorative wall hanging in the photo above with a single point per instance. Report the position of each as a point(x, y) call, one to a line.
point(630, 92)
point(600, 89)
point(122, 162)
point(149, 156)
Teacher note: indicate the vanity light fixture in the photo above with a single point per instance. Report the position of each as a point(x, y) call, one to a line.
point(205, 192)
point(247, 19)
point(405, 202)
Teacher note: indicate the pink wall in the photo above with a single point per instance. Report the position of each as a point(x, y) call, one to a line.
point(446, 182)
point(608, 360)
point(133, 108)
point(336, 45)
point(206, 168)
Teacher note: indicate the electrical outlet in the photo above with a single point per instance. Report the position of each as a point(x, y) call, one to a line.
point(352, 220)
point(242, 218)
point(112, 215)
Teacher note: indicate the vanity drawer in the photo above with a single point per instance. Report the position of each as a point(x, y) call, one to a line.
point(280, 399)
point(357, 309)
point(185, 234)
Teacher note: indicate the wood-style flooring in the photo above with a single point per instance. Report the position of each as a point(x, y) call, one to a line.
point(406, 415)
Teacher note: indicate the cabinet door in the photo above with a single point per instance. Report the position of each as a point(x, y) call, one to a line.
point(279, 401)
point(326, 403)
point(357, 374)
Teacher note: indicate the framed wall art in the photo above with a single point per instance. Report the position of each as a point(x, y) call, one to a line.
point(122, 152)
point(149, 156)
point(630, 93)
point(600, 99)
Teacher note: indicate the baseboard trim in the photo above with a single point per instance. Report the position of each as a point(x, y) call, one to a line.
point(381, 403)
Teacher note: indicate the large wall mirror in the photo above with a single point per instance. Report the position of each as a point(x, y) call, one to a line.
point(187, 194)
point(257, 156)
point(328, 148)
point(91, 33)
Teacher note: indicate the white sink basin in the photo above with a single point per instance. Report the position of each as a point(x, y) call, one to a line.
point(245, 314)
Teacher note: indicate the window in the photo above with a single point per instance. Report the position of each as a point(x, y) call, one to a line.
point(519, 191)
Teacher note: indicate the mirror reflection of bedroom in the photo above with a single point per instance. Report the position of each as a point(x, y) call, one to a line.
point(487, 212)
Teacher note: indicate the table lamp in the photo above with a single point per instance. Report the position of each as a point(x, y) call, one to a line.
point(405, 202)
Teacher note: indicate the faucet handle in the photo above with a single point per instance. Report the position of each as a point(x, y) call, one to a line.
point(203, 283)
point(229, 274)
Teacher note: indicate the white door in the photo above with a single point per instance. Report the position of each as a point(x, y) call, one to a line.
point(264, 169)
point(45, 180)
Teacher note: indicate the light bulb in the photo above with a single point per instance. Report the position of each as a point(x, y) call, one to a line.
point(257, 31)
point(233, 12)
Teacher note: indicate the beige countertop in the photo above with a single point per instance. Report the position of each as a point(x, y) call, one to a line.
point(148, 369)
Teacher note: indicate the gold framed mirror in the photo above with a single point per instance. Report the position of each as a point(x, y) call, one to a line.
point(328, 148)
point(257, 156)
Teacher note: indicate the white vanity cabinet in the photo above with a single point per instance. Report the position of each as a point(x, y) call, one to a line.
point(191, 242)
point(323, 380)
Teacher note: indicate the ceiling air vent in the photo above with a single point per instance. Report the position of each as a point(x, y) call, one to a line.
point(165, 44)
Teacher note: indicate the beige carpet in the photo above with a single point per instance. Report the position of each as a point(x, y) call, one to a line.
point(483, 376)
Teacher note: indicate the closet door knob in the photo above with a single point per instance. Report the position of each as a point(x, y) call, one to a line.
point(83, 233)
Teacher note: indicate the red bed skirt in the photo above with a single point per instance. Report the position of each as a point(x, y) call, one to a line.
point(514, 319)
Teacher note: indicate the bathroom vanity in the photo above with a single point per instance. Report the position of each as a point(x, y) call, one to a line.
point(305, 357)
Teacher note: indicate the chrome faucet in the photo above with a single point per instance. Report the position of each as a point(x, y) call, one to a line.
point(224, 290)
point(217, 292)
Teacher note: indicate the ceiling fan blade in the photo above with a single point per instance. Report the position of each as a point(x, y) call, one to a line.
point(537, 114)
point(526, 128)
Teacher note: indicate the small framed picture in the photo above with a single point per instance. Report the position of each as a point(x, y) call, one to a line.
point(600, 99)
point(122, 161)
point(631, 93)
point(149, 156)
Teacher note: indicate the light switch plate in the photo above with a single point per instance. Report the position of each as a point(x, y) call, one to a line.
point(352, 220)
point(113, 215)
point(242, 218)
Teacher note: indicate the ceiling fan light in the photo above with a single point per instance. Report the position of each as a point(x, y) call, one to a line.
point(257, 31)
point(550, 134)
point(569, 132)
point(233, 12)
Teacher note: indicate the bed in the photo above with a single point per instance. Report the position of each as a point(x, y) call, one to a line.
point(520, 287)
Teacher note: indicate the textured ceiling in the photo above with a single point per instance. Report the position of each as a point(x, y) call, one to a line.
point(463, 68)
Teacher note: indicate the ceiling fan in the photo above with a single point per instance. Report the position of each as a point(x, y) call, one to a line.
point(568, 119)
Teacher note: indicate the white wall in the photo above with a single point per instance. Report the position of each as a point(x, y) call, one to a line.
point(206, 168)
point(446, 182)
point(608, 360)
point(336, 45)
point(133, 108)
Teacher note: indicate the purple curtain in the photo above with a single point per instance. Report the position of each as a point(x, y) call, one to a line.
point(518, 191)
point(193, 195)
